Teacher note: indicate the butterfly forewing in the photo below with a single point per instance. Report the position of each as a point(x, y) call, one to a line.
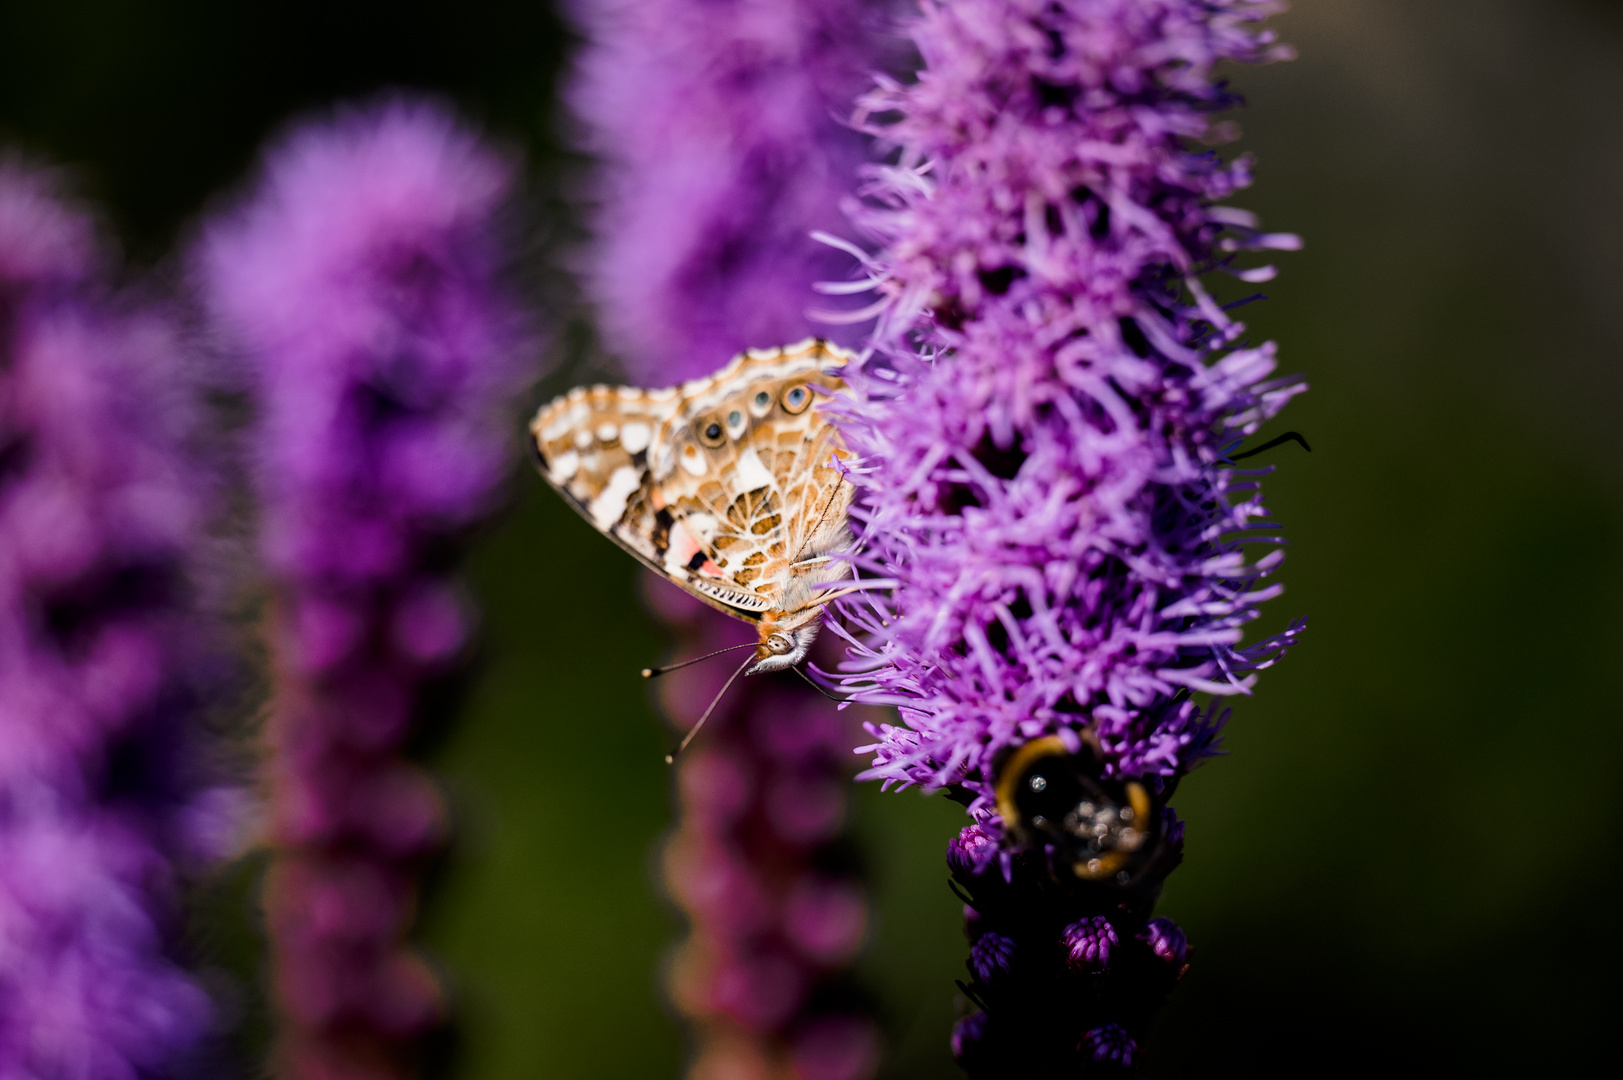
point(722, 484)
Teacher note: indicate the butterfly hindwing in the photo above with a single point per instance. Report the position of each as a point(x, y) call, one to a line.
point(733, 485)
point(593, 445)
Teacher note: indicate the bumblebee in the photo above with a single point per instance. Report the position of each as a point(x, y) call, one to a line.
point(1104, 829)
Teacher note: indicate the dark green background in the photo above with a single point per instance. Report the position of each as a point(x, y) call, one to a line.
point(1408, 864)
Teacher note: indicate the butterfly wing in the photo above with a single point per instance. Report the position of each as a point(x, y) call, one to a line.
point(733, 485)
point(747, 474)
point(592, 445)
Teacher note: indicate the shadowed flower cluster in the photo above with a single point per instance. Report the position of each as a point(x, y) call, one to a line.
point(361, 284)
point(718, 124)
point(1062, 551)
point(106, 658)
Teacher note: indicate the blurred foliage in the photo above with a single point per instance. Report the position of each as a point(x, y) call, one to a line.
point(1406, 860)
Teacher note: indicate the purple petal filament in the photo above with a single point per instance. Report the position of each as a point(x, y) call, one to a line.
point(361, 284)
point(1059, 544)
point(1071, 553)
point(103, 659)
point(717, 124)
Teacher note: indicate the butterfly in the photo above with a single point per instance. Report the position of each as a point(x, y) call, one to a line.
point(726, 486)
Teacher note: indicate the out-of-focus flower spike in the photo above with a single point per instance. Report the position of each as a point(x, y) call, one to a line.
point(108, 658)
point(361, 282)
point(723, 165)
point(722, 154)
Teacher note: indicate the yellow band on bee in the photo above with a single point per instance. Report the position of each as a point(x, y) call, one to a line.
point(1047, 746)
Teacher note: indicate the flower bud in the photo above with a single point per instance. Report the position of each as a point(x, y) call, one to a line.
point(1166, 941)
point(991, 957)
point(971, 852)
point(1109, 1044)
point(1088, 943)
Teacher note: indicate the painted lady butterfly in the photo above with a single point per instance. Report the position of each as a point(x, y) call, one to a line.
point(724, 485)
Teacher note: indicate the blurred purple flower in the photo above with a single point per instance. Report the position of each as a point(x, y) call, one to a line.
point(967, 1035)
point(775, 914)
point(105, 659)
point(361, 282)
point(1056, 533)
point(718, 123)
point(1109, 1044)
point(718, 127)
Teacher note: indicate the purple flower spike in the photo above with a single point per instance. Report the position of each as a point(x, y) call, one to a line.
point(105, 660)
point(1088, 943)
point(1051, 494)
point(361, 283)
point(1063, 556)
point(719, 127)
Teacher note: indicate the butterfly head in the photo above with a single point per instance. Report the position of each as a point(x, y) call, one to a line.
point(785, 643)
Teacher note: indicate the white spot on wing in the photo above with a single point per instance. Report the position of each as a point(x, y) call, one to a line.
point(682, 548)
point(611, 501)
point(750, 474)
point(693, 461)
point(583, 439)
point(607, 432)
point(700, 526)
point(634, 438)
point(564, 466)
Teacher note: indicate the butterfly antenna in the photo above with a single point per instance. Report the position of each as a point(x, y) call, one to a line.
point(670, 759)
point(656, 672)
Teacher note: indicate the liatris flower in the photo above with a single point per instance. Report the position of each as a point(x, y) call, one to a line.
point(361, 283)
point(760, 863)
point(718, 126)
point(105, 660)
point(1044, 481)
